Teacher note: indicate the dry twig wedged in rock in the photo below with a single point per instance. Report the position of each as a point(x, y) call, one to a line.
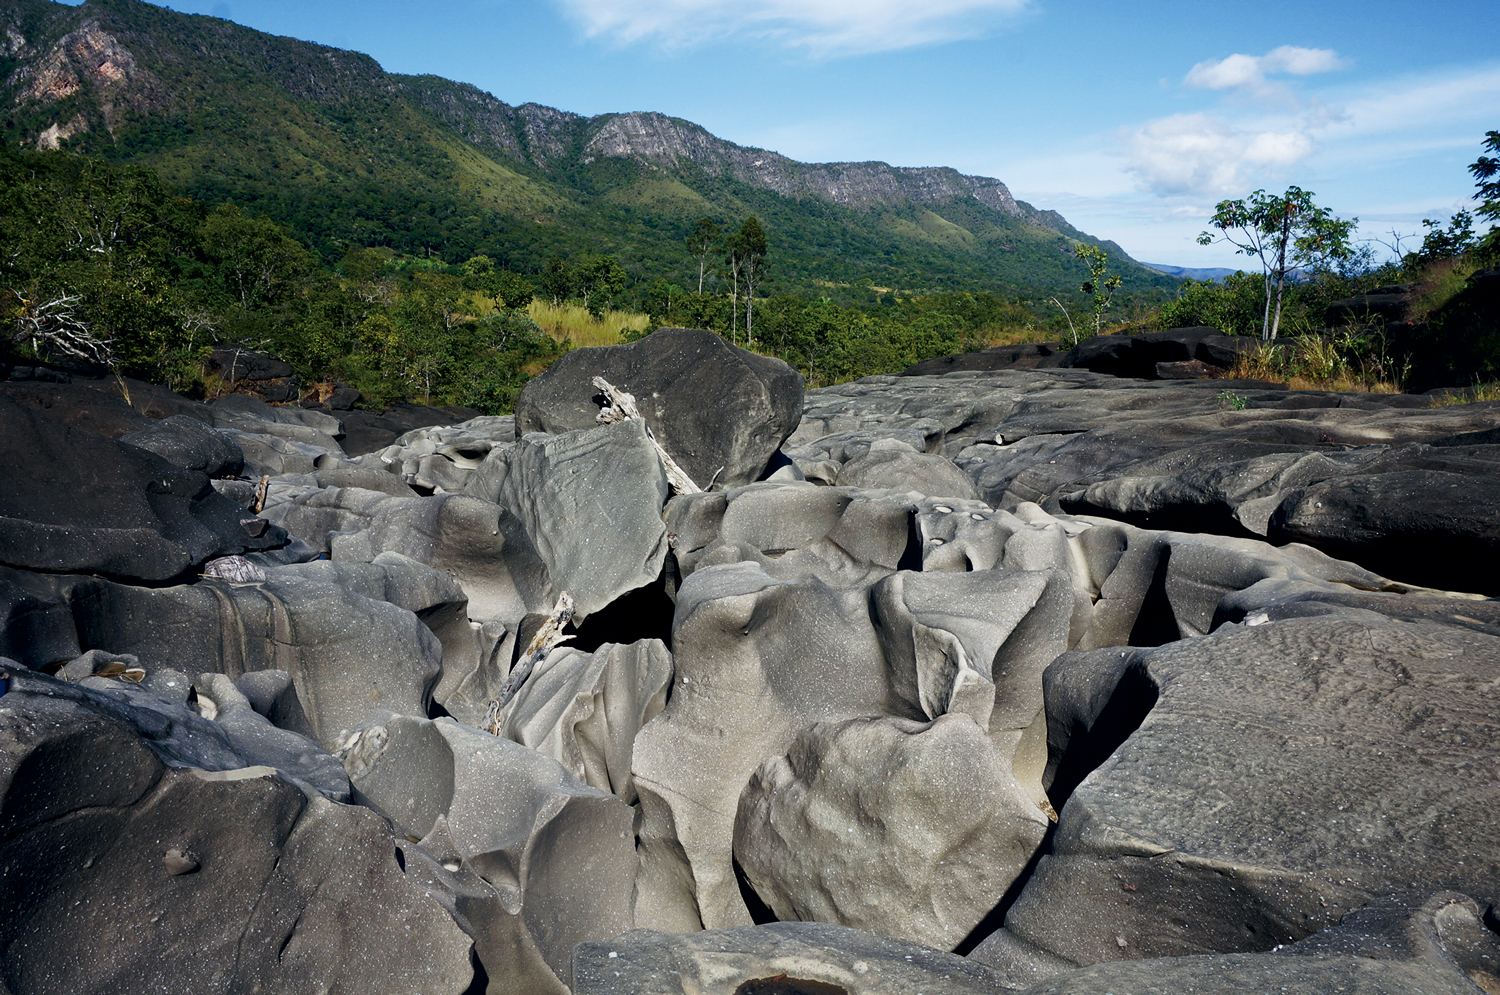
point(622, 407)
point(548, 636)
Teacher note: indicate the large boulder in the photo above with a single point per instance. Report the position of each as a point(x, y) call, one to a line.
point(239, 880)
point(756, 660)
point(913, 830)
point(75, 501)
point(720, 411)
point(1260, 783)
point(590, 502)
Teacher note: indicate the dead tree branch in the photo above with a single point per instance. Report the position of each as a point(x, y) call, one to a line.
point(622, 407)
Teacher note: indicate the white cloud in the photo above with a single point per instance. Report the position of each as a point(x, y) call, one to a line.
point(1203, 155)
point(823, 27)
point(1248, 72)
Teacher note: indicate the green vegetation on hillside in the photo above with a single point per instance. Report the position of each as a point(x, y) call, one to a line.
point(327, 144)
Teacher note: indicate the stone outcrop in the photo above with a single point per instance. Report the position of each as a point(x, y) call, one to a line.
point(1109, 684)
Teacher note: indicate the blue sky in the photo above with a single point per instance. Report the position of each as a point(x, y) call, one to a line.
point(1133, 120)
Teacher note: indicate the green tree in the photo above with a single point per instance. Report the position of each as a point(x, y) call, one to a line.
point(1100, 285)
point(1282, 232)
point(601, 279)
point(1486, 170)
point(700, 243)
point(556, 280)
point(258, 260)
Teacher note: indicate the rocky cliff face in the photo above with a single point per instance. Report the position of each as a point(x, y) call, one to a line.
point(545, 137)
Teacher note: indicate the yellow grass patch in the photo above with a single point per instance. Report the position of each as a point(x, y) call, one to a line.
point(572, 323)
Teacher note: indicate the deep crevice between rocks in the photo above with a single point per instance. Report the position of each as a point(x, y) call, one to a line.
point(995, 918)
point(1088, 748)
point(481, 982)
point(645, 613)
point(911, 556)
point(1155, 622)
point(781, 984)
point(760, 912)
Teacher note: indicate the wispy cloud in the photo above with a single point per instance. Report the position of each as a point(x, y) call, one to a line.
point(1207, 155)
point(1258, 135)
point(820, 27)
point(1242, 72)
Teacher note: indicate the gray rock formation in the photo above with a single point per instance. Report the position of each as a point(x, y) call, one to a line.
point(585, 710)
point(798, 956)
point(246, 880)
point(590, 502)
point(1283, 773)
point(912, 830)
point(720, 411)
point(1389, 948)
point(559, 852)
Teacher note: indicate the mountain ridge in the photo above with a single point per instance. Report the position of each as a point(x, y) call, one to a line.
point(325, 139)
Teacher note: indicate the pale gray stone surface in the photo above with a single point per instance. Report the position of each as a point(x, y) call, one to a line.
point(914, 830)
point(590, 504)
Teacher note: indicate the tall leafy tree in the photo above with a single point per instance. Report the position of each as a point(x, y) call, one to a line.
point(602, 279)
point(1283, 232)
point(700, 243)
point(556, 280)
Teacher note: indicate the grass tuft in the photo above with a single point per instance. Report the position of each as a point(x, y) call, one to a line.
point(572, 323)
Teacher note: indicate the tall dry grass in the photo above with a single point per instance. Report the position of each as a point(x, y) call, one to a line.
point(1347, 362)
point(572, 323)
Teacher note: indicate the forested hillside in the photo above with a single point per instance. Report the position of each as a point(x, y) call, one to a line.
point(327, 143)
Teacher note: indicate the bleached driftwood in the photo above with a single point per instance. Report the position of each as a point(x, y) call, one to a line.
point(260, 493)
point(548, 636)
point(622, 407)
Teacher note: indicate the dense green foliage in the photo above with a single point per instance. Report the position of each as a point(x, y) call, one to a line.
point(330, 146)
point(1451, 335)
point(106, 266)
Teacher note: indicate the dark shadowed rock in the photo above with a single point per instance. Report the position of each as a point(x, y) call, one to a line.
point(1383, 304)
point(236, 365)
point(238, 879)
point(74, 501)
point(717, 409)
point(1440, 947)
point(191, 444)
point(1026, 356)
